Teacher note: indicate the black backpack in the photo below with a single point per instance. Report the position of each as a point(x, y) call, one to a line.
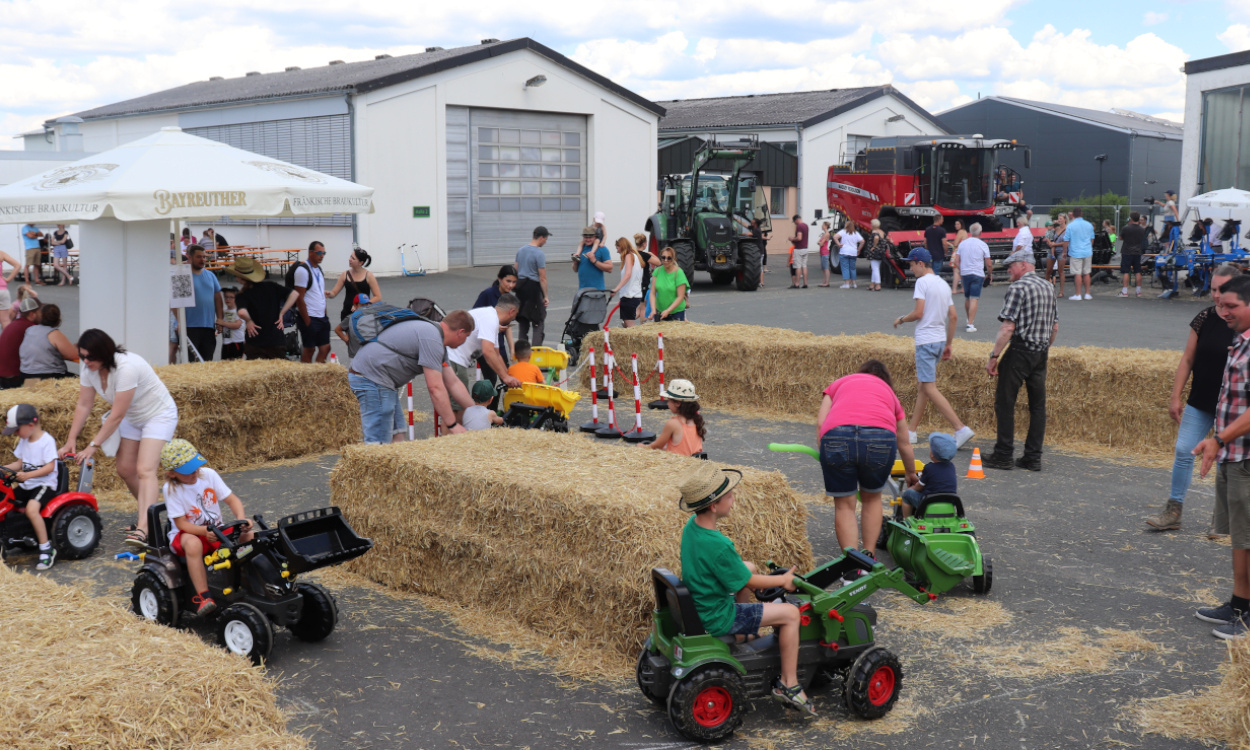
point(288, 320)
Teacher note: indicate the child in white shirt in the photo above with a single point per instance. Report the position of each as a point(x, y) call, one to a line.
point(36, 470)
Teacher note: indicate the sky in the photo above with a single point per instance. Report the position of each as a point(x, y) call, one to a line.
point(61, 57)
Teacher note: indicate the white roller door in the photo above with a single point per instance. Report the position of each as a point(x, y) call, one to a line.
point(528, 169)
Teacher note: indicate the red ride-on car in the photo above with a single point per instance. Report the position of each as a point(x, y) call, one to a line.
point(72, 518)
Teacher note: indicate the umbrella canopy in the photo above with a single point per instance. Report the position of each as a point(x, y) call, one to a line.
point(174, 175)
point(1222, 204)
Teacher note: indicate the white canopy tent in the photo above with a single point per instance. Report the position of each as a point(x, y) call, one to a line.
point(1228, 203)
point(125, 200)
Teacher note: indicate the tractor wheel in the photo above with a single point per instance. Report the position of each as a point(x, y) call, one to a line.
point(319, 614)
point(75, 532)
point(891, 224)
point(645, 676)
point(152, 600)
point(873, 684)
point(708, 705)
point(684, 250)
point(244, 630)
point(981, 584)
point(750, 255)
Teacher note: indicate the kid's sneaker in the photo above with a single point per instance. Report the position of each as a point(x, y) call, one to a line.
point(204, 605)
point(46, 558)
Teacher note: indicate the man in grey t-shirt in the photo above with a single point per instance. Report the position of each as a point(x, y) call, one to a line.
point(531, 288)
point(399, 354)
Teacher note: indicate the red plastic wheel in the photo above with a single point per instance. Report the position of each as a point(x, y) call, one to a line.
point(881, 686)
point(713, 705)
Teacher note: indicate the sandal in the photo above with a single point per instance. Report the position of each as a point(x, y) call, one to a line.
point(136, 539)
point(792, 697)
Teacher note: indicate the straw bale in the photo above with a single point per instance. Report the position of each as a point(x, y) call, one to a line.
point(555, 533)
point(1216, 714)
point(238, 413)
point(82, 673)
point(1114, 398)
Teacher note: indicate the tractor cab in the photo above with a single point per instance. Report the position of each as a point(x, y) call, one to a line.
point(963, 174)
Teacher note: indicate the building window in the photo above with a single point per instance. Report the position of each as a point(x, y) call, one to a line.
point(855, 144)
point(1225, 152)
point(777, 201)
point(547, 166)
point(790, 147)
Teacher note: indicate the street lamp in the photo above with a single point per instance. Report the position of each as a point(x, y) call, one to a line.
point(1100, 159)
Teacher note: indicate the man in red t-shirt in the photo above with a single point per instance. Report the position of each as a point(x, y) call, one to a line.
point(798, 253)
point(11, 344)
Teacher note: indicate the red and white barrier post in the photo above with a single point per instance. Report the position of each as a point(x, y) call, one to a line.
point(611, 431)
point(638, 435)
point(607, 381)
point(662, 401)
point(412, 430)
point(593, 424)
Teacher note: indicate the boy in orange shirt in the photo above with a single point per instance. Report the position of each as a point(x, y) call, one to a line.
point(523, 370)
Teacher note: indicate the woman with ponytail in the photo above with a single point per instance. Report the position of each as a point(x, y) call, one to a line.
point(357, 280)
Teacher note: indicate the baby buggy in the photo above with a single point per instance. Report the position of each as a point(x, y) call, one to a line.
point(590, 311)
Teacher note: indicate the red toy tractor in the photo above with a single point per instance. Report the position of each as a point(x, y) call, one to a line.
point(72, 518)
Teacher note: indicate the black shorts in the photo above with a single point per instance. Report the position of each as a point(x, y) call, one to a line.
point(629, 308)
point(41, 494)
point(232, 351)
point(1130, 264)
point(316, 333)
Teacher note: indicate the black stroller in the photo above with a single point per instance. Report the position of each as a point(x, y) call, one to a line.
point(590, 311)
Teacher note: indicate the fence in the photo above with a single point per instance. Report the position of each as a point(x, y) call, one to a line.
point(1118, 214)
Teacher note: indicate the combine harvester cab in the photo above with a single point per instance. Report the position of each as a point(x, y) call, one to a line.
point(905, 181)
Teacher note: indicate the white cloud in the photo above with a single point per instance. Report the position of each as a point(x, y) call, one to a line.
point(1236, 37)
point(1151, 18)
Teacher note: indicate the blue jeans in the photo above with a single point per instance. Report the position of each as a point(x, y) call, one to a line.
point(848, 268)
point(855, 457)
point(938, 265)
point(379, 409)
point(1195, 424)
point(927, 358)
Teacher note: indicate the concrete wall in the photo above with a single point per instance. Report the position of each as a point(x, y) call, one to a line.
point(401, 136)
point(1195, 84)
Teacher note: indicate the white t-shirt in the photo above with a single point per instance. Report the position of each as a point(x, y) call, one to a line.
point(233, 335)
point(476, 418)
point(133, 373)
point(485, 328)
point(972, 255)
point(1023, 240)
point(936, 293)
point(199, 501)
point(315, 296)
point(36, 455)
point(848, 242)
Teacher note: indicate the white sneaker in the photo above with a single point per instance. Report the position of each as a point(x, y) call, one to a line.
point(971, 328)
point(845, 286)
point(1087, 296)
point(1123, 293)
point(911, 437)
point(962, 436)
point(1075, 298)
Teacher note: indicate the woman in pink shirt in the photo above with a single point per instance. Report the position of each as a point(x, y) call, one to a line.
point(862, 424)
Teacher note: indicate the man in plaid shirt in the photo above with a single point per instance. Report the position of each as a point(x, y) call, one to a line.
point(1030, 323)
point(1231, 446)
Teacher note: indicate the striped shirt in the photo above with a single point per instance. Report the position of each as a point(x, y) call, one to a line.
point(1234, 399)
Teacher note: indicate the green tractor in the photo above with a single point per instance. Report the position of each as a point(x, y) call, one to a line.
point(705, 216)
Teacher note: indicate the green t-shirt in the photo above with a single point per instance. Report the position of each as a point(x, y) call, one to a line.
point(665, 285)
point(713, 571)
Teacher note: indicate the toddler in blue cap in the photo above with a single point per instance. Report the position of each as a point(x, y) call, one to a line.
point(939, 474)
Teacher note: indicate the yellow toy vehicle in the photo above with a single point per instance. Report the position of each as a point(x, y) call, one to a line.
point(539, 407)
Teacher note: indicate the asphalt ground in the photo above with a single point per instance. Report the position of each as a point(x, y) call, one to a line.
point(1041, 662)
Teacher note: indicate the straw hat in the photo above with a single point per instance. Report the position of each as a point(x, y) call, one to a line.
point(681, 390)
point(706, 485)
point(247, 268)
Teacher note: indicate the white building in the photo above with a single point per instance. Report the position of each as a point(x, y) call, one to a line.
point(1216, 150)
point(468, 148)
point(821, 128)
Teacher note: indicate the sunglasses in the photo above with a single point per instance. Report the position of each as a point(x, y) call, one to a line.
point(85, 357)
point(319, 252)
point(666, 257)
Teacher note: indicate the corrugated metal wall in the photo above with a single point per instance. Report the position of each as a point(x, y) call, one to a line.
point(458, 186)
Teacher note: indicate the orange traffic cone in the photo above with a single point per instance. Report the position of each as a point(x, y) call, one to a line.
point(974, 469)
point(334, 360)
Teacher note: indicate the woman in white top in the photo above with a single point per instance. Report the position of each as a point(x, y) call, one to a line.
point(849, 242)
point(143, 414)
point(630, 286)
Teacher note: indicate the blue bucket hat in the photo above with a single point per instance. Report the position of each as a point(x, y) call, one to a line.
point(942, 446)
point(921, 254)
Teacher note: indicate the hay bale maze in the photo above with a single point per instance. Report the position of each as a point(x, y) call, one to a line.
point(239, 413)
point(1219, 714)
point(1116, 399)
point(555, 533)
point(81, 673)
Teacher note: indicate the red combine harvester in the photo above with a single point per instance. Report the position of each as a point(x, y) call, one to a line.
point(907, 180)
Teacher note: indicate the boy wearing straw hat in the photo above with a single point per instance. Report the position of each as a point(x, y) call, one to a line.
point(721, 583)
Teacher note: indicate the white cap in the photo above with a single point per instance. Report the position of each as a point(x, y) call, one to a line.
point(598, 217)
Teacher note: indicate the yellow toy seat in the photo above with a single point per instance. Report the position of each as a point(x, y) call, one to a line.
point(900, 469)
point(542, 395)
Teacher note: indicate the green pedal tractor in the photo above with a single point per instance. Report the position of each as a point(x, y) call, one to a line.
point(706, 681)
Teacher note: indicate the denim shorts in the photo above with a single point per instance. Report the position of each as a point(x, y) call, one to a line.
point(972, 285)
point(380, 413)
point(927, 357)
point(747, 619)
point(854, 458)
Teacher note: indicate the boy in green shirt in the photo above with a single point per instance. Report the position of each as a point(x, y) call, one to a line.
point(722, 584)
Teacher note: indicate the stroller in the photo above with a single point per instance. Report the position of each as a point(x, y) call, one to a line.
point(590, 312)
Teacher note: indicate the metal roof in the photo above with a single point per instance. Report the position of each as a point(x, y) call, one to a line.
point(805, 108)
point(353, 77)
point(1092, 116)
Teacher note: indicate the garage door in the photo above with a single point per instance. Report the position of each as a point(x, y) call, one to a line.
point(528, 169)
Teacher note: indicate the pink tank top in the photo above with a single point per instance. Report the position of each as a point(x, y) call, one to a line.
point(690, 444)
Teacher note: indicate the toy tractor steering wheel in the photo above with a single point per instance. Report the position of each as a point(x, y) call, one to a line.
point(7, 475)
point(772, 593)
point(231, 531)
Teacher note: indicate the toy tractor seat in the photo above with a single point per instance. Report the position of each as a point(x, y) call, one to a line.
point(931, 506)
point(672, 594)
point(62, 478)
point(158, 526)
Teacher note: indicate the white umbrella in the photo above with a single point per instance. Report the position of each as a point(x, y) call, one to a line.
point(1227, 203)
point(174, 175)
